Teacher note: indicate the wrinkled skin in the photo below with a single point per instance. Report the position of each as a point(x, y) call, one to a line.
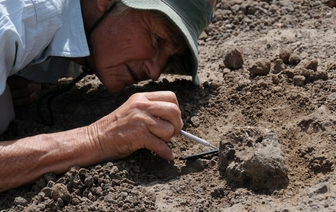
point(146, 120)
point(137, 48)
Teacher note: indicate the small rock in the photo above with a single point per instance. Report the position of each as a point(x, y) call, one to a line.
point(330, 3)
point(215, 84)
point(60, 191)
point(299, 80)
point(83, 172)
point(198, 164)
point(278, 66)
point(123, 194)
point(319, 75)
point(41, 197)
point(75, 201)
point(307, 73)
point(50, 177)
point(47, 191)
point(284, 55)
point(233, 58)
point(294, 59)
point(260, 67)
point(88, 181)
point(312, 65)
point(275, 79)
point(40, 207)
point(290, 73)
point(20, 201)
point(320, 188)
point(109, 199)
point(195, 121)
point(31, 208)
point(114, 170)
point(203, 36)
point(60, 202)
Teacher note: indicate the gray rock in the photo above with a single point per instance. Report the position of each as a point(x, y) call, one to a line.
point(251, 157)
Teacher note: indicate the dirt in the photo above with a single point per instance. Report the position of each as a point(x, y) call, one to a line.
point(284, 81)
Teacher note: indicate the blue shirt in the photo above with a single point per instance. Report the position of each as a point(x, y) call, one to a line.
point(33, 30)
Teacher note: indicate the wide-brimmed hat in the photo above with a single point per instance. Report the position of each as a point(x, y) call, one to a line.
point(191, 17)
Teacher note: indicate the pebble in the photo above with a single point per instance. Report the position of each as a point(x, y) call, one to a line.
point(198, 164)
point(233, 58)
point(318, 189)
point(278, 66)
point(260, 67)
point(20, 201)
point(312, 65)
point(60, 191)
point(294, 59)
point(284, 55)
point(299, 80)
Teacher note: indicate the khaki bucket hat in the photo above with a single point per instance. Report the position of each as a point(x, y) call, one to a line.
point(191, 17)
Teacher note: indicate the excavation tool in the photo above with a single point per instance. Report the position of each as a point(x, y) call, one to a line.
point(201, 141)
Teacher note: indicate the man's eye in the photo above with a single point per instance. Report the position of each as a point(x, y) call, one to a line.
point(159, 40)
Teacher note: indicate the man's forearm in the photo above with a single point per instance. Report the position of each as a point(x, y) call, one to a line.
point(24, 160)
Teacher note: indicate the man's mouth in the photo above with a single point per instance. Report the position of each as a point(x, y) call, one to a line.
point(135, 78)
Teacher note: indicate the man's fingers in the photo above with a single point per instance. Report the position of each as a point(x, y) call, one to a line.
point(161, 128)
point(168, 112)
point(160, 148)
point(165, 96)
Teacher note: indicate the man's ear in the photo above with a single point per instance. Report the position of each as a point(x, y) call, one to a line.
point(103, 5)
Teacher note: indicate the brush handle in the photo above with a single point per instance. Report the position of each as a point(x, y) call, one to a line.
point(197, 139)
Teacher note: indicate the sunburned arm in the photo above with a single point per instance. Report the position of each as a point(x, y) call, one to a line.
point(145, 120)
point(25, 160)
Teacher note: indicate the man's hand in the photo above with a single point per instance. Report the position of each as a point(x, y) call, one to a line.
point(24, 92)
point(146, 120)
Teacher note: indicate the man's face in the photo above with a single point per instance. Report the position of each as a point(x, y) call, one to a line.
point(133, 48)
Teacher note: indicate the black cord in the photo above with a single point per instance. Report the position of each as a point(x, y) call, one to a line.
point(86, 70)
point(53, 94)
point(94, 26)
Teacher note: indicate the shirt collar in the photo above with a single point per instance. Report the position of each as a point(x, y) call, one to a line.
point(70, 39)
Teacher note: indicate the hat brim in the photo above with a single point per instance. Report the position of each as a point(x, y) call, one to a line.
point(188, 34)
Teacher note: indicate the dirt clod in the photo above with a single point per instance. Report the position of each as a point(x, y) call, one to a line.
point(59, 192)
point(260, 67)
point(233, 58)
point(312, 65)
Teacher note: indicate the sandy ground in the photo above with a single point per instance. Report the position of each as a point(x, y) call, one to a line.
point(294, 96)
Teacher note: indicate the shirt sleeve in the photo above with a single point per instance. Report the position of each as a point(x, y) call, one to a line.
point(9, 44)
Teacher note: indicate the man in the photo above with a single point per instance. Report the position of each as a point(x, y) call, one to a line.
point(122, 42)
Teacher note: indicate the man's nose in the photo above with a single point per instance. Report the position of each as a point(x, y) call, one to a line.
point(155, 65)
